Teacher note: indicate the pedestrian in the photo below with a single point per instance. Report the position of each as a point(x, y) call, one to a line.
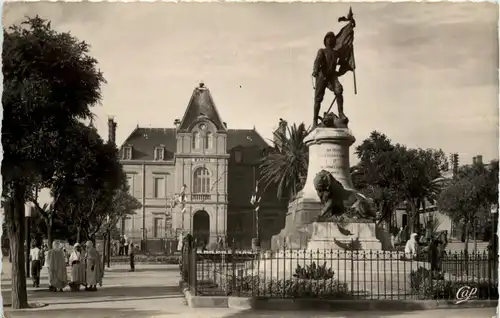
point(36, 264)
point(58, 278)
point(411, 248)
point(94, 269)
point(132, 257)
point(121, 252)
point(125, 245)
point(77, 263)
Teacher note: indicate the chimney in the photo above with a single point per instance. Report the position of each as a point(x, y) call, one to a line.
point(479, 159)
point(111, 130)
point(474, 160)
point(225, 124)
point(177, 122)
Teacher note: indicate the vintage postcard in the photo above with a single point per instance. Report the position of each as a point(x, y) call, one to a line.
point(250, 159)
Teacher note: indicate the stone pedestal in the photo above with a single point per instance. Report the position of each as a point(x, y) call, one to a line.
point(328, 150)
point(330, 236)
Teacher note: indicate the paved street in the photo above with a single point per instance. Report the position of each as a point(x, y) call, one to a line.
point(152, 292)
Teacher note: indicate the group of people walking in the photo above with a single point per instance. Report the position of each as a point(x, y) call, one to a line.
point(85, 262)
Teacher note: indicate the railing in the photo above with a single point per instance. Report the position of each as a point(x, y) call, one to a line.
point(200, 197)
point(335, 274)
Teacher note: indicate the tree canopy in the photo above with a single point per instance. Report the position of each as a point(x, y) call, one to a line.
point(393, 174)
point(470, 194)
point(50, 83)
point(285, 166)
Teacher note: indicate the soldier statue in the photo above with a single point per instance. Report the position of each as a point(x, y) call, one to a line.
point(338, 51)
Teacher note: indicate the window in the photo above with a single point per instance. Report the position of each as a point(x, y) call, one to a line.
point(196, 140)
point(201, 181)
point(159, 187)
point(238, 156)
point(127, 153)
point(158, 228)
point(130, 183)
point(159, 153)
point(208, 140)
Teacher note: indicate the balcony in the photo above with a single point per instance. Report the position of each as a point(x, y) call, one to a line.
point(200, 197)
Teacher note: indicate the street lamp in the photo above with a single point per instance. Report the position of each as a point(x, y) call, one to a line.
point(28, 207)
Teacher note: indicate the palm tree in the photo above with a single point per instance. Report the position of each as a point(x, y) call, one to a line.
point(286, 165)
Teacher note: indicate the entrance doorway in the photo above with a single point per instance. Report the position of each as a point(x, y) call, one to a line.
point(201, 227)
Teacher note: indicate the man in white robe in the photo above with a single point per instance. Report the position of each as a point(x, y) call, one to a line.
point(56, 263)
point(94, 269)
point(77, 263)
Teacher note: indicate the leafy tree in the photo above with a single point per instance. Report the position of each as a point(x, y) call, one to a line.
point(469, 195)
point(89, 200)
point(285, 166)
point(373, 176)
point(417, 171)
point(123, 204)
point(50, 82)
point(394, 174)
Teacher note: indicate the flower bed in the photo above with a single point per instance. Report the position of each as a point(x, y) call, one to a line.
point(249, 286)
point(148, 259)
point(310, 282)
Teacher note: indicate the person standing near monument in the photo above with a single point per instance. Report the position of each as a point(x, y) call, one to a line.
point(56, 263)
point(36, 265)
point(94, 268)
point(338, 51)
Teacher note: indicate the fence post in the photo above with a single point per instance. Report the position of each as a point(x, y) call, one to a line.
point(193, 281)
point(233, 267)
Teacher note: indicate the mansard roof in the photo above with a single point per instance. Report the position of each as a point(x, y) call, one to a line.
point(144, 140)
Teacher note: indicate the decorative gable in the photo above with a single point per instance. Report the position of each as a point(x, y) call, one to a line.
point(201, 107)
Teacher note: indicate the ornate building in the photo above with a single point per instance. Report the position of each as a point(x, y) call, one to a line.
point(219, 168)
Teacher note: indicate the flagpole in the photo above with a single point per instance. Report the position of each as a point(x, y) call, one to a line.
point(255, 218)
point(354, 72)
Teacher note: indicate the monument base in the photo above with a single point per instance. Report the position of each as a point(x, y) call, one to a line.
point(298, 224)
point(351, 236)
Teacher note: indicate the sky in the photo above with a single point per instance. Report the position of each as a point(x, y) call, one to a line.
point(427, 73)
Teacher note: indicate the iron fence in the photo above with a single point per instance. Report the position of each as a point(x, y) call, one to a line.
point(339, 274)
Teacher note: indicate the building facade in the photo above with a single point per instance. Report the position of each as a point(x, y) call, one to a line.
point(218, 167)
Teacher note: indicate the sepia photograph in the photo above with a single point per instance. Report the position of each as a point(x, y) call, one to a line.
point(223, 159)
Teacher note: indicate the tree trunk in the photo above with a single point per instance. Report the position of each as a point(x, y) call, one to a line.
point(78, 234)
point(50, 221)
point(16, 238)
point(413, 219)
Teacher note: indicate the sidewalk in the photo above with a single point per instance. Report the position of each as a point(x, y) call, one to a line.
point(152, 291)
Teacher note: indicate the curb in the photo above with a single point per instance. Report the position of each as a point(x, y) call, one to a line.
point(364, 305)
point(323, 304)
point(203, 301)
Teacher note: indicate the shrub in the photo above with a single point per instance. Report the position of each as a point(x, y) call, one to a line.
point(254, 285)
point(152, 259)
point(313, 272)
point(439, 288)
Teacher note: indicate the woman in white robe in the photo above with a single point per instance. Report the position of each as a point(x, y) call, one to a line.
point(77, 263)
point(411, 248)
point(94, 269)
point(58, 277)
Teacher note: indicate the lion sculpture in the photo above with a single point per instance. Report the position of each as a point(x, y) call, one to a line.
point(340, 202)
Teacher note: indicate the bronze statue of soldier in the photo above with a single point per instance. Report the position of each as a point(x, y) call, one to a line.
point(332, 62)
point(326, 76)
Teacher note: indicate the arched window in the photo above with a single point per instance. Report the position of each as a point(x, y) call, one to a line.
point(196, 140)
point(208, 140)
point(201, 181)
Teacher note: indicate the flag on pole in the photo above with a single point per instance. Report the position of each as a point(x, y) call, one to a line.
point(345, 46)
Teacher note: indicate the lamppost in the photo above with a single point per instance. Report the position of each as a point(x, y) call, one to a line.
point(28, 207)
